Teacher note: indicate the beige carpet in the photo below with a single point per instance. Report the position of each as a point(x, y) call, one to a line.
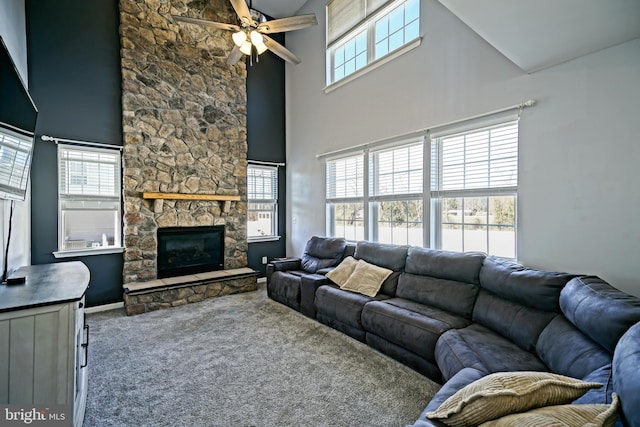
point(242, 360)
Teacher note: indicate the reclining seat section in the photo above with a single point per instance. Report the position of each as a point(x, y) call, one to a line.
point(342, 309)
point(284, 277)
point(513, 307)
point(436, 293)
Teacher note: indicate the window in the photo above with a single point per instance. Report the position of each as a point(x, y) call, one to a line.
point(395, 195)
point(89, 198)
point(474, 184)
point(262, 195)
point(345, 202)
point(15, 159)
point(362, 32)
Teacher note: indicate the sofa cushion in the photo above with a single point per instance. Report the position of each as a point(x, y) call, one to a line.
point(457, 266)
point(366, 278)
point(322, 252)
point(593, 415)
point(600, 395)
point(342, 306)
point(626, 375)
point(449, 295)
point(518, 323)
point(342, 272)
point(480, 348)
point(567, 351)
point(599, 310)
point(505, 393)
point(533, 288)
point(413, 326)
point(384, 255)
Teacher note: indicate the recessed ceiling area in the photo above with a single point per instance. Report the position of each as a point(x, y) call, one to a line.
point(537, 34)
point(277, 8)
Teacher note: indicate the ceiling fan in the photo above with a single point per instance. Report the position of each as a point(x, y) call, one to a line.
point(250, 35)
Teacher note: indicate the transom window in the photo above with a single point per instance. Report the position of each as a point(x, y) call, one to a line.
point(361, 32)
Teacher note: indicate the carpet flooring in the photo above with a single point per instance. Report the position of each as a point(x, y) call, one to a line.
point(241, 360)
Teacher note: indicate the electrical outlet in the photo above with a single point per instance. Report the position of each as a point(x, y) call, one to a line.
point(264, 259)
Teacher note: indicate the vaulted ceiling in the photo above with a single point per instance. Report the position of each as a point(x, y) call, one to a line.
point(537, 34)
point(533, 34)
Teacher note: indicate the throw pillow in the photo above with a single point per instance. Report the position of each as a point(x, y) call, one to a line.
point(588, 415)
point(366, 279)
point(504, 393)
point(342, 272)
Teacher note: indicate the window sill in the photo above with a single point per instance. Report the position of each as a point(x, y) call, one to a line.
point(375, 64)
point(88, 252)
point(263, 239)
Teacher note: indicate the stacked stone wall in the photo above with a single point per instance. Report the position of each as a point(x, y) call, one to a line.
point(184, 127)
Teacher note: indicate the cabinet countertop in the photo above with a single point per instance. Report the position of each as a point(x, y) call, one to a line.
point(45, 284)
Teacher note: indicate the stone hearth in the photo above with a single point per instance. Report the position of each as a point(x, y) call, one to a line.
point(184, 129)
point(176, 291)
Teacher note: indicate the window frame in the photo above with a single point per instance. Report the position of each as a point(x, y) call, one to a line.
point(272, 201)
point(438, 194)
point(368, 26)
point(114, 198)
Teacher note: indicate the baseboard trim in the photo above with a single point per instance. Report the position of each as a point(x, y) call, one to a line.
point(104, 307)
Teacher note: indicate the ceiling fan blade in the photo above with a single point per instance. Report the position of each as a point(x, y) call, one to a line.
point(288, 24)
point(234, 56)
point(241, 8)
point(280, 50)
point(218, 25)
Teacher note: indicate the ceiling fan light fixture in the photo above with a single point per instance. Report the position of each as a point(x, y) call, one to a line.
point(246, 48)
point(239, 38)
point(258, 41)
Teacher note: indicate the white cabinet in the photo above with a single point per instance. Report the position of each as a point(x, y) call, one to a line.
point(44, 344)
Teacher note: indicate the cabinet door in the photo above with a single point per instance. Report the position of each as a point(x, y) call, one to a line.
point(35, 347)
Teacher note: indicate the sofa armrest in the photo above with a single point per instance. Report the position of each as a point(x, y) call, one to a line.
point(308, 285)
point(282, 265)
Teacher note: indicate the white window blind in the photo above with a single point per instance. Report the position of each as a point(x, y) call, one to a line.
point(15, 159)
point(262, 183)
point(343, 15)
point(345, 177)
point(396, 171)
point(480, 159)
point(88, 173)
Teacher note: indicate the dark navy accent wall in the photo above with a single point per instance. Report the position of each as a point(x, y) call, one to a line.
point(266, 139)
point(73, 50)
point(75, 79)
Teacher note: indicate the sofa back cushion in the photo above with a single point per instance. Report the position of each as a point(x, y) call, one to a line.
point(516, 322)
point(533, 288)
point(567, 351)
point(384, 255)
point(599, 310)
point(457, 266)
point(322, 252)
point(449, 295)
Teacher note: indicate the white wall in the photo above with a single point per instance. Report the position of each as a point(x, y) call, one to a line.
point(579, 190)
point(14, 33)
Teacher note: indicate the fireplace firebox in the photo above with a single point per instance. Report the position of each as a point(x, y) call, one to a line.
point(190, 250)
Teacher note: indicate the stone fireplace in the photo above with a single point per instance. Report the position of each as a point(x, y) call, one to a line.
point(184, 131)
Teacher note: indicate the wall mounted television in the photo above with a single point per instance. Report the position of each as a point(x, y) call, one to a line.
point(18, 115)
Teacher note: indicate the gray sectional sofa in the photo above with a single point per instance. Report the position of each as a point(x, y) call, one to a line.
point(457, 317)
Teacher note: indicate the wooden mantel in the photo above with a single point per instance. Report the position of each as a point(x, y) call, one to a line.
point(159, 198)
point(183, 196)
